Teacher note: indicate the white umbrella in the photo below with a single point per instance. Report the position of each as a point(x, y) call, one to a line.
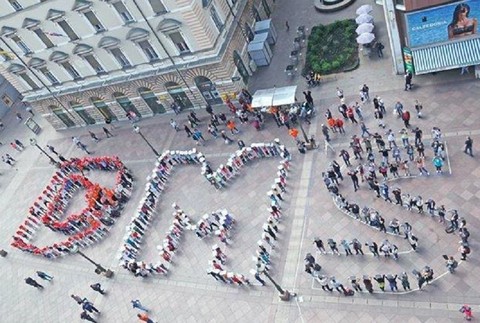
point(364, 28)
point(365, 38)
point(363, 18)
point(366, 8)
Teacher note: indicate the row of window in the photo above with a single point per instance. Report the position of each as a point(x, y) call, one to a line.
point(91, 59)
point(157, 7)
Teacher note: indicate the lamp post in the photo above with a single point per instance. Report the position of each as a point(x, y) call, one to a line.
point(99, 270)
point(284, 294)
point(33, 142)
point(136, 128)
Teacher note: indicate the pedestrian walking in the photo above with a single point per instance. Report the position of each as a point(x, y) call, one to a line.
point(144, 318)
point(346, 157)
point(468, 146)
point(259, 279)
point(89, 307)
point(413, 241)
point(32, 282)
point(44, 276)
point(84, 316)
point(137, 304)
point(107, 132)
point(19, 116)
point(408, 80)
point(78, 299)
point(187, 130)
point(287, 26)
point(353, 175)
point(226, 139)
point(379, 46)
point(174, 125)
point(94, 136)
point(339, 93)
point(438, 163)
point(19, 144)
point(98, 288)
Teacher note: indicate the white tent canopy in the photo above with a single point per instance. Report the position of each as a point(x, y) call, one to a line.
point(274, 96)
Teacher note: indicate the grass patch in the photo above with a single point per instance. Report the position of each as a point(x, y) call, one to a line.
point(332, 48)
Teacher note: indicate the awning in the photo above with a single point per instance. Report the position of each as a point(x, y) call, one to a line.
point(446, 56)
point(274, 97)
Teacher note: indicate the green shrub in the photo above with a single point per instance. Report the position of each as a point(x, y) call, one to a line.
point(332, 47)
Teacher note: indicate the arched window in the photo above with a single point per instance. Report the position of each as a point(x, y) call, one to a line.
point(151, 100)
point(242, 70)
point(103, 108)
point(178, 95)
point(125, 103)
point(208, 90)
point(80, 110)
point(62, 115)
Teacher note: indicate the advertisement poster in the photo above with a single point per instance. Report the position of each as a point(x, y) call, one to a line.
point(408, 60)
point(458, 20)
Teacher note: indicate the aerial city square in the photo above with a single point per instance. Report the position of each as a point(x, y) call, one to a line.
point(239, 160)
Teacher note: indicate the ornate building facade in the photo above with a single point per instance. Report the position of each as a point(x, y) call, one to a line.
point(79, 62)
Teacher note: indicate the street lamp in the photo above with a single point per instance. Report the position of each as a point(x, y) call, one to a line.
point(99, 270)
point(285, 295)
point(136, 128)
point(33, 142)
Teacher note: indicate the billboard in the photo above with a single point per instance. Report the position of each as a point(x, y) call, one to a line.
point(441, 24)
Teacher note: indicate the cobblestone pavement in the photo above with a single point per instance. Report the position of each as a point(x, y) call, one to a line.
point(187, 294)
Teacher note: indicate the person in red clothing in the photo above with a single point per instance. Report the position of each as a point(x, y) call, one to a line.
point(351, 115)
point(339, 125)
point(406, 118)
point(143, 317)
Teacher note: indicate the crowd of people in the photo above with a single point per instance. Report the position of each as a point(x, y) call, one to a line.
point(216, 223)
point(378, 163)
point(89, 225)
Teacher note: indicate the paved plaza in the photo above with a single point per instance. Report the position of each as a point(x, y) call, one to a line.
point(187, 294)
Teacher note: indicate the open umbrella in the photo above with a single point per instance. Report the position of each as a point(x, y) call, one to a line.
point(365, 38)
point(363, 18)
point(364, 28)
point(366, 8)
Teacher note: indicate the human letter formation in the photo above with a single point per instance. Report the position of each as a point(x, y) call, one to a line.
point(217, 223)
point(89, 225)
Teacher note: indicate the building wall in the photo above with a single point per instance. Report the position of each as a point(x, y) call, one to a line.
point(9, 96)
point(411, 5)
point(199, 31)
